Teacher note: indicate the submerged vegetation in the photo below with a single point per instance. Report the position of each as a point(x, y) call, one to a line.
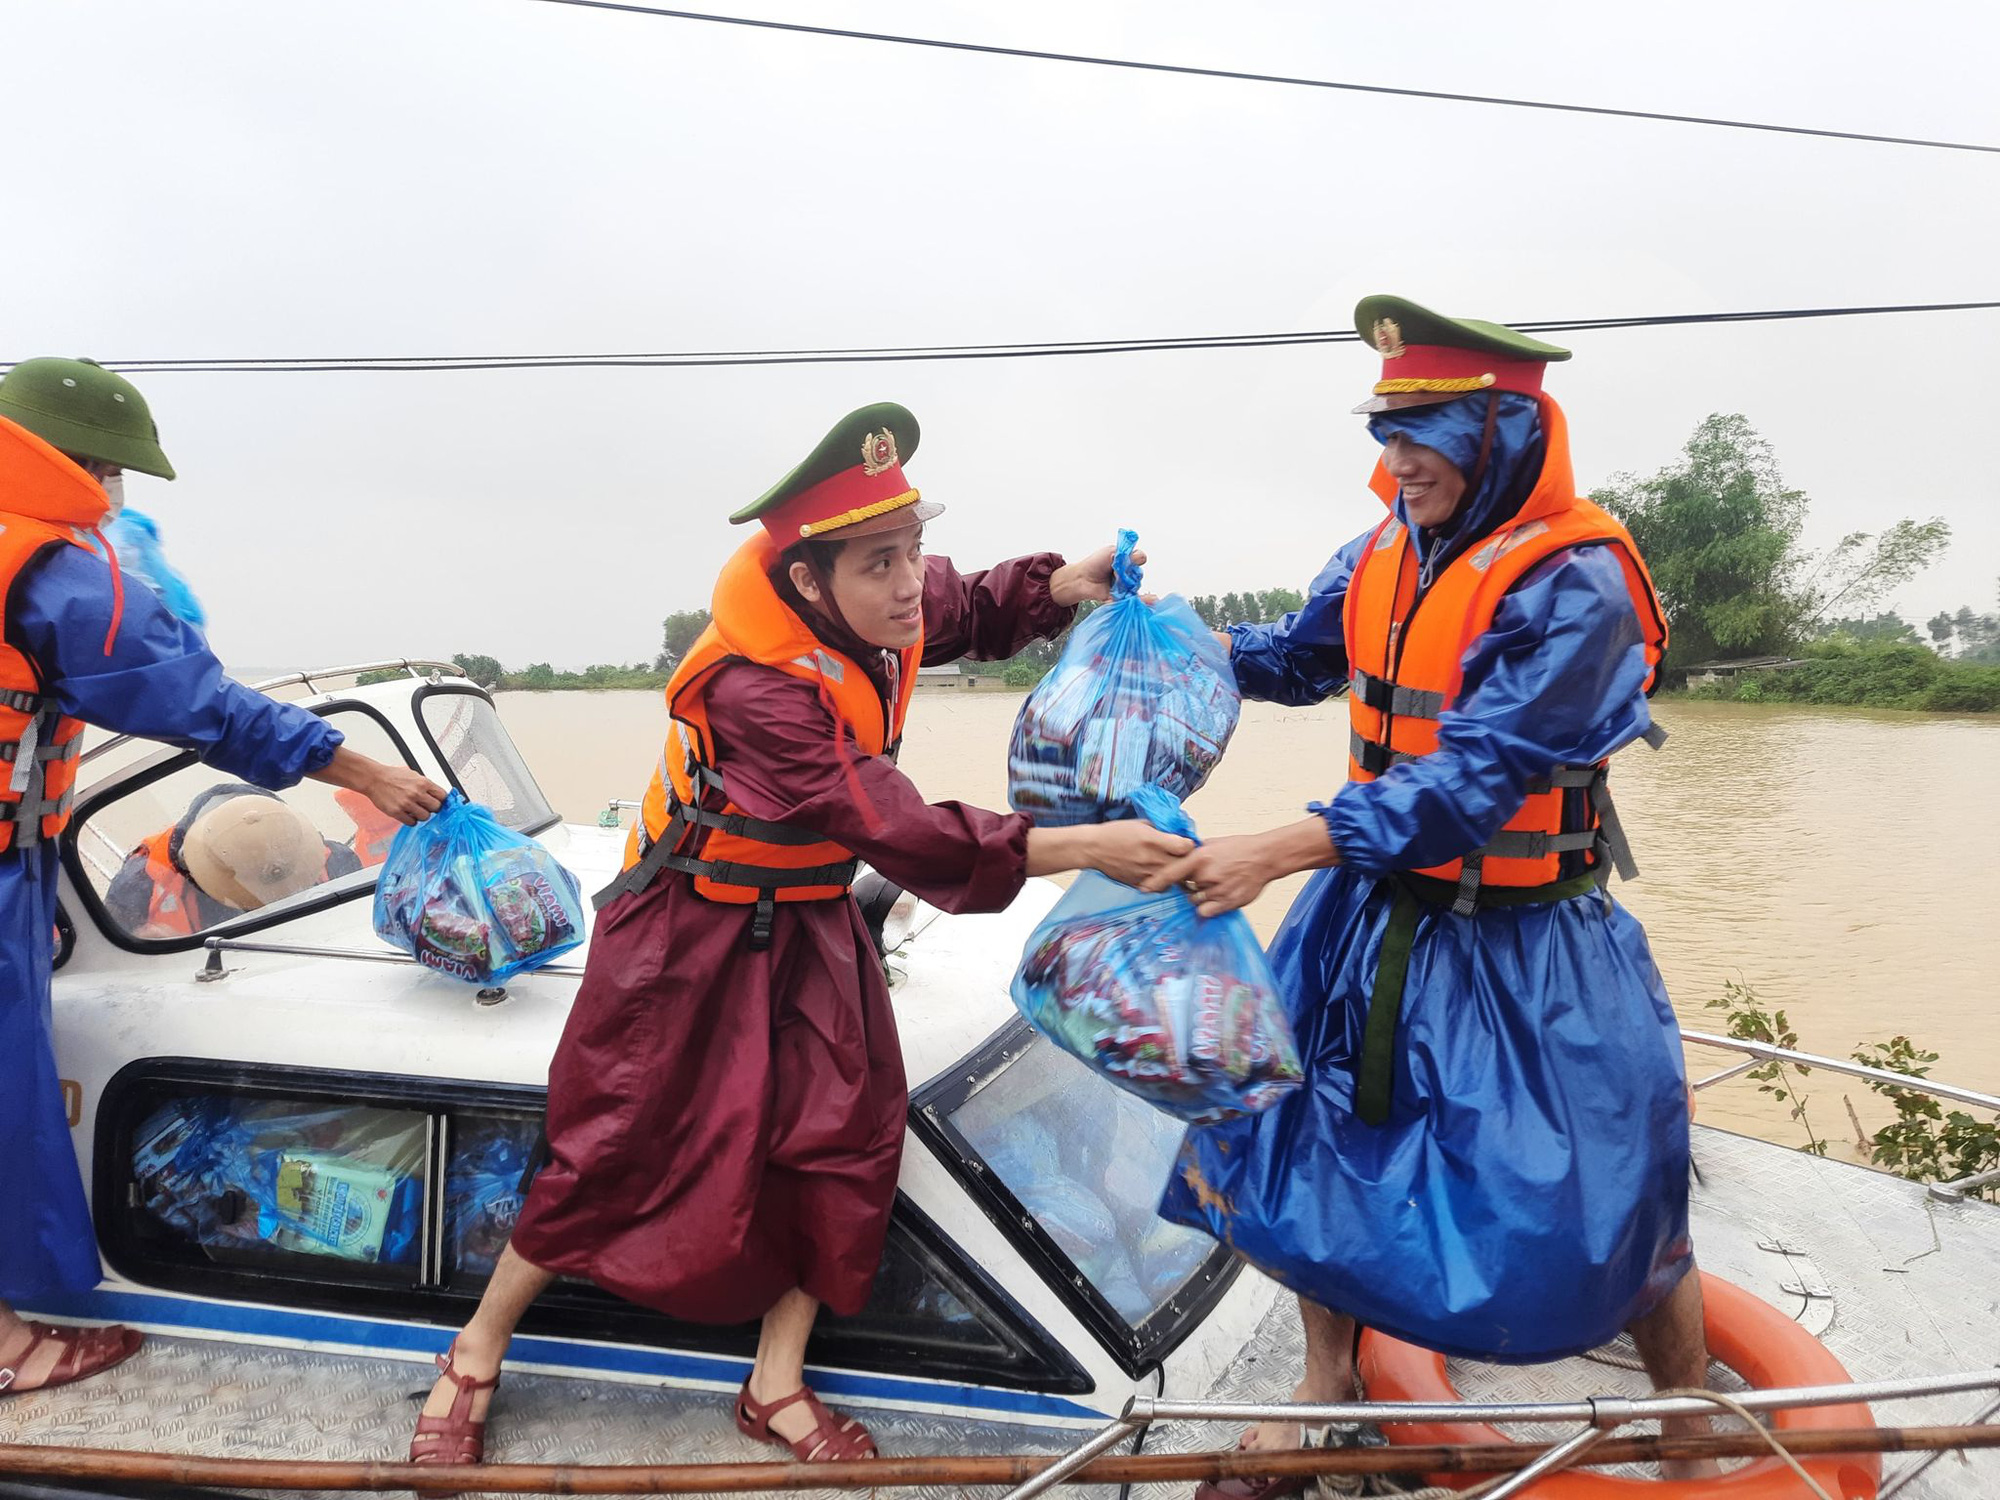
point(1927, 1142)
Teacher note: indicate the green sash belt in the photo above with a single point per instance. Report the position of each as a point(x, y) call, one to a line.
point(1375, 1080)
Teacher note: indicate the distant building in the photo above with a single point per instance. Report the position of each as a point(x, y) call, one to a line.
point(1700, 673)
point(953, 678)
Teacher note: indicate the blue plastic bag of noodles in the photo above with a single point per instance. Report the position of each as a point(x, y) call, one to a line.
point(1176, 1008)
point(135, 537)
point(1142, 693)
point(467, 896)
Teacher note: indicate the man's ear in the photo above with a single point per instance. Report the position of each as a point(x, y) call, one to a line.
point(804, 582)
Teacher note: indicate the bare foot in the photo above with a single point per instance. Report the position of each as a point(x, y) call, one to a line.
point(1687, 1468)
point(469, 1357)
point(1338, 1386)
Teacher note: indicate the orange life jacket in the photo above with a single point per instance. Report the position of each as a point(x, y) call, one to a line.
point(170, 911)
point(46, 502)
point(688, 822)
point(1406, 644)
point(374, 830)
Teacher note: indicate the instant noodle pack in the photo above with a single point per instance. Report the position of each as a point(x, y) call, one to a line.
point(1142, 693)
point(467, 896)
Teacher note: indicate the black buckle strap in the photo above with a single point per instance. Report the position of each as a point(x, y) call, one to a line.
point(1373, 758)
point(1389, 697)
point(743, 825)
point(761, 922)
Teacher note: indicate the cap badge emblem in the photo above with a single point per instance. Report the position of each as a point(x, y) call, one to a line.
point(1389, 338)
point(878, 453)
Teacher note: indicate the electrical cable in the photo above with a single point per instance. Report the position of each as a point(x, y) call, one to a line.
point(890, 354)
point(1187, 70)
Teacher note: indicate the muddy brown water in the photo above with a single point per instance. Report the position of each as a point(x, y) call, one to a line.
point(1844, 864)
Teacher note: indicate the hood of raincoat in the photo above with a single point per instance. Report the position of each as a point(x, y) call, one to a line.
point(39, 482)
point(1527, 471)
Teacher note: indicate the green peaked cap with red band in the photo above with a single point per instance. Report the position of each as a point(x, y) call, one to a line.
point(1427, 357)
point(851, 484)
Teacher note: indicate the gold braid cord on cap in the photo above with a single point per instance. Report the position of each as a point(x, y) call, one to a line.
point(860, 513)
point(1434, 387)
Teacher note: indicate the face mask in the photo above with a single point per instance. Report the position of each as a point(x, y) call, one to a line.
point(114, 491)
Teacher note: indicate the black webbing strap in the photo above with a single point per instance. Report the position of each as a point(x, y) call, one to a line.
point(761, 922)
point(1374, 758)
point(657, 854)
point(1375, 1073)
point(740, 824)
point(11, 751)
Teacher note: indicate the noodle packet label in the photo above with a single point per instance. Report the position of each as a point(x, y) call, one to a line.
point(341, 1204)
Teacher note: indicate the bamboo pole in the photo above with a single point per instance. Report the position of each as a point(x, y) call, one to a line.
point(891, 1473)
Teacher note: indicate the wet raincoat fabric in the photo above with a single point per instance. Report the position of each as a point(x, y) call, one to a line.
point(1527, 1196)
point(726, 1124)
point(159, 680)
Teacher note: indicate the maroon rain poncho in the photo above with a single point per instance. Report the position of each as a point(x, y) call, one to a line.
point(726, 1124)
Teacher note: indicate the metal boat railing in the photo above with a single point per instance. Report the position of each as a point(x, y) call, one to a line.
point(417, 667)
point(1599, 1414)
point(214, 968)
point(1762, 1052)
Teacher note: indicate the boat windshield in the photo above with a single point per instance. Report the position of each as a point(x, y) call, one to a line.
point(166, 857)
point(468, 737)
point(1085, 1161)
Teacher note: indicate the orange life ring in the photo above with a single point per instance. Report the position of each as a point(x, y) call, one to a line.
point(1746, 1333)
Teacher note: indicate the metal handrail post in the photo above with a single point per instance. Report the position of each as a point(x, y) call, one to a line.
point(1985, 1413)
point(1561, 1411)
point(1953, 1191)
point(1076, 1458)
point(1766, 1052)
point(1559, 1457)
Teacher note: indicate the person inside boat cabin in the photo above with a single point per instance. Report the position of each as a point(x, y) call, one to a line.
point(235, 849)
point(726, 1105)
point(85, 645)
point(1490, 1154)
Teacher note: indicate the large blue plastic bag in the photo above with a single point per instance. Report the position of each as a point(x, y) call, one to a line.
point(467, 896)
point(135, 537)
point(1176, 1008)
point(1142, 693)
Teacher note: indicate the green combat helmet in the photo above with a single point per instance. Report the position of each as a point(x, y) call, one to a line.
point(84, 409)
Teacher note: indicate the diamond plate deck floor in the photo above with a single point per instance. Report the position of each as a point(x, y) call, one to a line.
point(1899, 1300)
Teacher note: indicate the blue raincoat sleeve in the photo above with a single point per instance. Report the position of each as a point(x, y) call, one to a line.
point(160, 680)
point(1558, 679)
point(1303, 657)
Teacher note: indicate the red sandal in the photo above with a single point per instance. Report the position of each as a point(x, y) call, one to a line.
point(832, 1439)
point(453, 1438)
point(86, 1352)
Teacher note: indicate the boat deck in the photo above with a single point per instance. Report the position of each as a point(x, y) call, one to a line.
point(1893, 1282)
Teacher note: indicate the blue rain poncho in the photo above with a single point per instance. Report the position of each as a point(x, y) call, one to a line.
point(162, 681)
point(1527, 1196)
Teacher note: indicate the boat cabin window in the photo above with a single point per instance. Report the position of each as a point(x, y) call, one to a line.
point(1076, 1167)
point(169, 857)
point(282, 1185)
point(469, 738)
point(376, 1194)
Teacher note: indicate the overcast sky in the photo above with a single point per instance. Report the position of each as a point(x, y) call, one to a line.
point(237, 179)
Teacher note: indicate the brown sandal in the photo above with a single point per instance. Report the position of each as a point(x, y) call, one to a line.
point(453, 1438)
point(832, 1439)
point(86, 1352)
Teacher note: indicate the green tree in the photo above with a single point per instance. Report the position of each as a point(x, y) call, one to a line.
point(678, 632)
point(484, 670)
point(1275, 604)
point(1884, 628)
point(1721, 532)
point(1238, 610)
point(539, 675)
point(1967, 636)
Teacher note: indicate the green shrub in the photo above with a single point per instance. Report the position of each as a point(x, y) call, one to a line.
point(1023, 674)
point(1965, 690)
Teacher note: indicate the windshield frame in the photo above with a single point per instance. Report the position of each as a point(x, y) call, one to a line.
point(430, 690)
point(144, 774)
point(1136, 1348)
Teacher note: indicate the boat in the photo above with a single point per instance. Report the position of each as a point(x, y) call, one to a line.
point(303, 1150)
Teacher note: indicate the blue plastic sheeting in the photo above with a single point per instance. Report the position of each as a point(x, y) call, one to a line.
point(135, 537)
point(1527, 1196)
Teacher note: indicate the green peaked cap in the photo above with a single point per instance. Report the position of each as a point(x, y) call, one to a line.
point(837, 452)
point(80, 407)
point(1419, 325)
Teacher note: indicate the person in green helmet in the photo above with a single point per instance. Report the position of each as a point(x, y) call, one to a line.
point(82, 647)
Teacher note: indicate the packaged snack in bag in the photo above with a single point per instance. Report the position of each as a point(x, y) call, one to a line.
point(1176, 1008)
point(1142, 693)
point(469, 897)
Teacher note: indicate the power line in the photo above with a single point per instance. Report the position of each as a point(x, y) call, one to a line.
point(892, 354)
point(1190, 71)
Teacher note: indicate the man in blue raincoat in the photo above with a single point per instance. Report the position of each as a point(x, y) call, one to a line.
point(1490, 1154)
point(82, 647)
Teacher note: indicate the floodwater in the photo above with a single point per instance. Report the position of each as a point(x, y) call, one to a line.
point(1844, 864)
